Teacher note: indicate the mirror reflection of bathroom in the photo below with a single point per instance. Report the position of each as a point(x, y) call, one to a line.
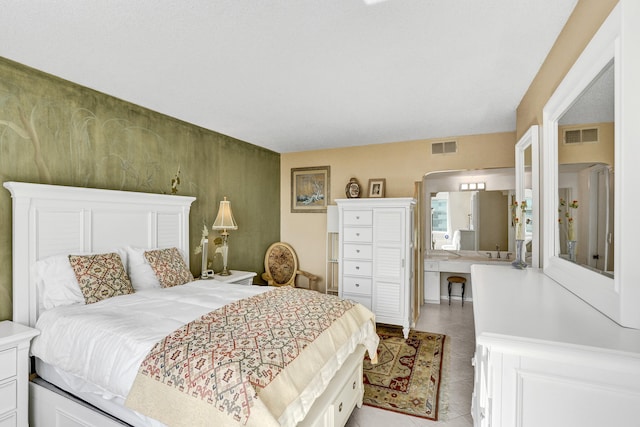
point(465, 219)
point(585, 215)
point(470, 220)
point(586, 190)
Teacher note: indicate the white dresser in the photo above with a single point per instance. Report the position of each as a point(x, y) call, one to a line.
point(14, 373)
point(376, 256)
point(546, 358)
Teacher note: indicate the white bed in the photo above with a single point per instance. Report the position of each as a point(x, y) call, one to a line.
point(53, 220)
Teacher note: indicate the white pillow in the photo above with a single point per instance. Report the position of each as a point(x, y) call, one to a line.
point(140, 272)
point(57, 283)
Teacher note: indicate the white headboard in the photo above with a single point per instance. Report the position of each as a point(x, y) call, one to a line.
point(51, 220)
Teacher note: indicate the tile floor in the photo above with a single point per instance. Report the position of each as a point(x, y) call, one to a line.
point(456, 322)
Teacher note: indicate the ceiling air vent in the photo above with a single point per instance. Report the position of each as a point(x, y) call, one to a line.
point(444, 147)
point(580, 136)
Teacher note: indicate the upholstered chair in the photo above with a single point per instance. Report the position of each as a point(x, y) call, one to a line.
point(281, 267)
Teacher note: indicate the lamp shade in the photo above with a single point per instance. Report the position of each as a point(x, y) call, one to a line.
point(224, 220)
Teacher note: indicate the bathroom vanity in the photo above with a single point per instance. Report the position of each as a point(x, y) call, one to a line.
point(438, 265)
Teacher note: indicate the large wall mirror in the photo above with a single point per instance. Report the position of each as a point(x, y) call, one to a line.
point(470, 211)
point(586, 176)
point(582, 178)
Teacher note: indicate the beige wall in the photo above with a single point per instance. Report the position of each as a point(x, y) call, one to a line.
point(583, 23)
point(603, 151)
point(400, 163)
point(580, 28)
point(492, 229)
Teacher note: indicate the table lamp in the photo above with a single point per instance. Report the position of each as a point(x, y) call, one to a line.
point(224, 221)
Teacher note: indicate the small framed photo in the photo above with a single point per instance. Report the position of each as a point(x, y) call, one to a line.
point(376, 187)
point(310, 189)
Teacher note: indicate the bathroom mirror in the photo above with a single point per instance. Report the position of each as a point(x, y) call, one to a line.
point(465, 218)
point(527, 189)
point(579, 167)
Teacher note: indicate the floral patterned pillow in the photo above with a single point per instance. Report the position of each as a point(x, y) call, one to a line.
point(100, 276)
point(169, 267)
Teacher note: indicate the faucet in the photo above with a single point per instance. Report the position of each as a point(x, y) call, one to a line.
point(498, 251)
point(489, 254)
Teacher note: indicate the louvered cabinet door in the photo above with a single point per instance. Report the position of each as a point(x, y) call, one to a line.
point(390, 289)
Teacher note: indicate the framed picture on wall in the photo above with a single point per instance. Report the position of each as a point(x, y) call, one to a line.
point(310, 189)
point(376, 187)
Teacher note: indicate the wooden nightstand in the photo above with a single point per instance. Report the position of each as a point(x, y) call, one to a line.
point(238, 277)
point(14, 373)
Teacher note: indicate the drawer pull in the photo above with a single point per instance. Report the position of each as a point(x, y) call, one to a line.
point(357, 251)
point(357, 285)
point(340, 407)
point(357, 217)
point(358, 234)
point(354, 385)
point(357, 267)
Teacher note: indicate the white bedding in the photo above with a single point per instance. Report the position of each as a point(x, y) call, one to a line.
point(104, 343)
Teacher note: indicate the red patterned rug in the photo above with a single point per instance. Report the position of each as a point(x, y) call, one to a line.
point(409, 373)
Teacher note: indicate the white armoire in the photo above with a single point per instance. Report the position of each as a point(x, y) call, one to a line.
point(376, 257)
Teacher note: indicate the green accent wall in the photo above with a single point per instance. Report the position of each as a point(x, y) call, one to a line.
point(56, 132)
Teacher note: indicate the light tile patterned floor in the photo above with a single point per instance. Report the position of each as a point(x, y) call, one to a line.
point(456, 322)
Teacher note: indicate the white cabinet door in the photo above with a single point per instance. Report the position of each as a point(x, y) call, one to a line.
point(553, 385)
point(391, 284)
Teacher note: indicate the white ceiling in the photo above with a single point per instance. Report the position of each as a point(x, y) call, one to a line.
point(596, 104)
point(297, 75)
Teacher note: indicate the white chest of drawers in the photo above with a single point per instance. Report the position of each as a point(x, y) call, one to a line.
point(546, 358)
point(376, 243)
point(356, 237)
point(14, 373)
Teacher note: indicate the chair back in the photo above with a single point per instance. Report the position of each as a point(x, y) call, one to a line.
point(281, 263)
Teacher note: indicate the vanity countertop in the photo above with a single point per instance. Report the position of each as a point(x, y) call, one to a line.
point(471, 257)
point(452, 263)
